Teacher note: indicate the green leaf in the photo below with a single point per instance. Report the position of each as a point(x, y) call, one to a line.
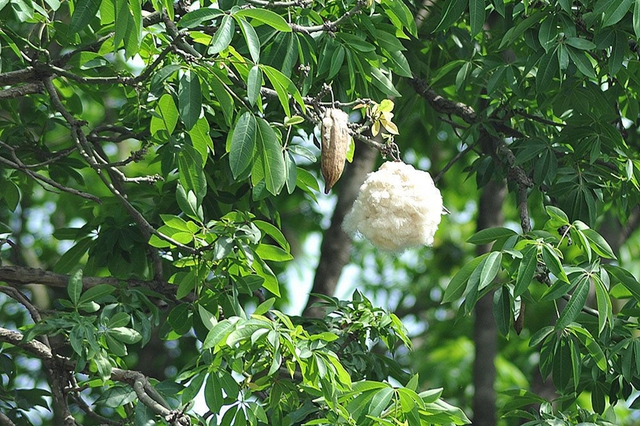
point(96, 293)
point(383, 82)
point(380, 401)
point(599, 244)
point(456, 286)
point(603, 302)
point(200, 139)
point(626, 279)
point(515, 33)
point(490, 268)
point(273, 253)
point(180, 319)
point(273, 232)
point(83, 13)
point(575, 304)
point(223, 36)
point(265, 306)
point(489, 235)
point(186, 284)
point(74, 287)
point(193, 389)
point(337, 59)
point(476, 15)
point(71, 258)
point(250, 36)
point(191, 173)
point(553, 262)
point(582, 62)
point(615, 11)
point(223, 97)
point(188, 203)
point(189, 99)
point(592, 346)
point(453, 9)
point(502, 309)
point(218, 333)
point(271, 155)
point(197, 17)
point(254, 84)
point(636, 19)
point(548, 68)
point(115, 346)
point(243, 144)
point(284, 88)
point(125, 335)
point(526, 270)
point(562, 365)
point(580, 43)
point(266, 16)
point(118, 320)
point(167, 115)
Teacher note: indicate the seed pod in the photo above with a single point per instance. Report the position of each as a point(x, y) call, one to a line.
point(335, 142)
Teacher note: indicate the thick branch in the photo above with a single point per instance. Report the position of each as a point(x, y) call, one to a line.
point(138, 381)
point(20, 275)
point(20, 91)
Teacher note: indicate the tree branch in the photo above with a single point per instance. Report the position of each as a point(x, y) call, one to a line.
point(20, 91)
point(20, 275)
point(85, 150)
point(329, 26)
point(138, 381)
point(19, 165)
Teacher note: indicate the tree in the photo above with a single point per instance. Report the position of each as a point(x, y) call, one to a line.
point(160, 172)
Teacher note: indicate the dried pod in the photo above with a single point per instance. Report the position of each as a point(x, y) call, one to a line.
point(335, 143)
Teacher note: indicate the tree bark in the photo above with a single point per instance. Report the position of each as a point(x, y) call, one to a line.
point(336, 245)
point(484, 328)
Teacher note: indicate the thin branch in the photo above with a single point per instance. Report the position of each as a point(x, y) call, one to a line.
point(500, 151)
point(329, 26)
point(19, 165)
point(149, 396)
point(276, 4)
point(454, 160)
point(532, 117)
point(83, 147)
point(87, 409)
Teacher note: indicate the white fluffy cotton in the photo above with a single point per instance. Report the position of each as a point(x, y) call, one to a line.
point(398, 207)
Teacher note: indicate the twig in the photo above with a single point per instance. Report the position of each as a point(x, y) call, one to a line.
point(83, 147)
point(19, 165)
point(276, 4)
point(454, 160)
point(329, 26)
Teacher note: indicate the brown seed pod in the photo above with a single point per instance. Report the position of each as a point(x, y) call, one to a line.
point(335, 142)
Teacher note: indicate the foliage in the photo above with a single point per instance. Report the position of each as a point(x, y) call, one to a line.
point(159, 174)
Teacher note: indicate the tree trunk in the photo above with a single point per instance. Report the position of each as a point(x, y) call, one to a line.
point(484, 329)
point(336, 245)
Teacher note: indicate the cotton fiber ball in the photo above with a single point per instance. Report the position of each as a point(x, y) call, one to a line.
point(398, 207)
